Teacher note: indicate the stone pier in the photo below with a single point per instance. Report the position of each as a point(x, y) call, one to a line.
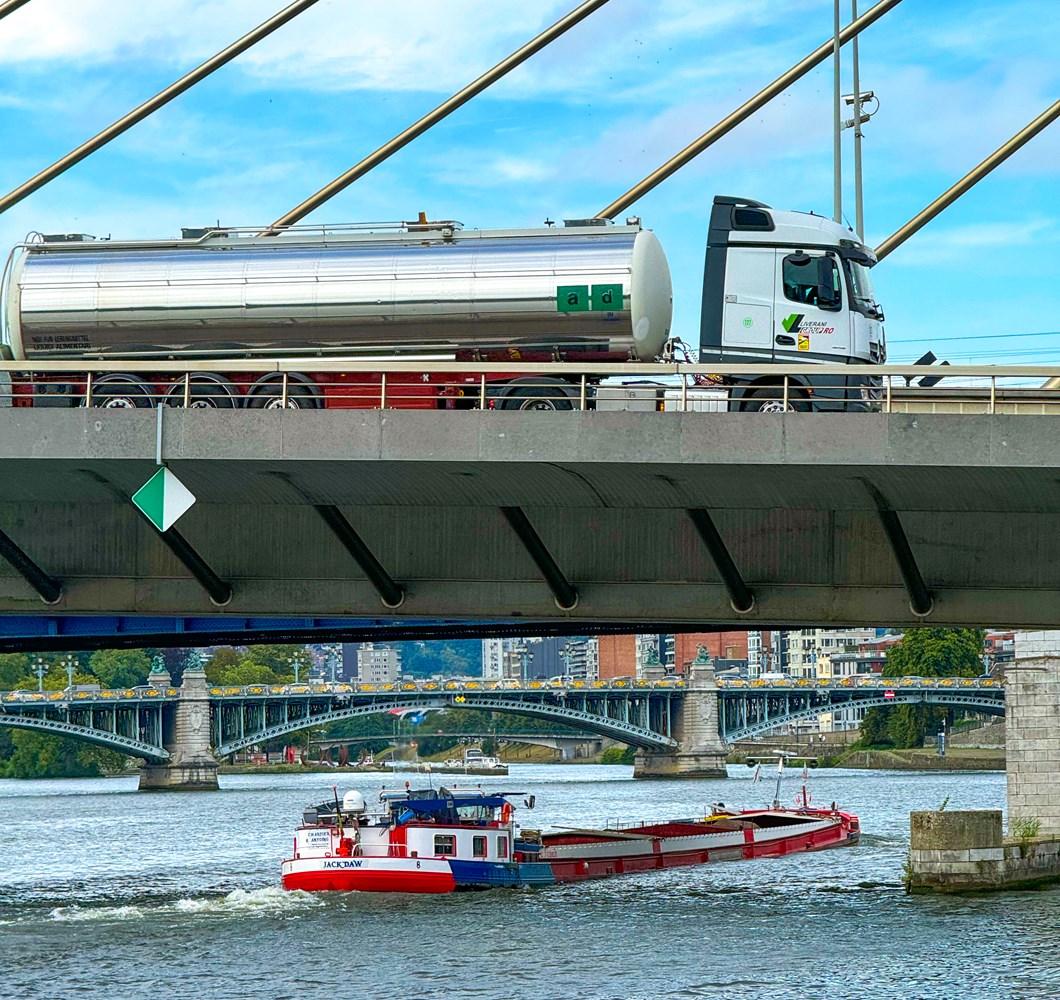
point(191, 767)
point(701, 751)
point(966, 851)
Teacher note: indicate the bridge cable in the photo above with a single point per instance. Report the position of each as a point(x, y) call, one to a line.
point(431, 119)
point(10, 7)
point(969, 180)
point(745, 110)
point(156, 102)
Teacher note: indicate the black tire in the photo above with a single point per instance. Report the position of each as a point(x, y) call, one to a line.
point(128, 393)
point(537, 397)
point(269, 396)
point(204, 393)
point(770, 399)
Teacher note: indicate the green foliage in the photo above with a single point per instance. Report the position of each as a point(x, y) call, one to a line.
point(120, 668)
point(618, 755)
point(1025, 829)
point(14, 667)
point(38, 755)
point(937, 652)
point(922, 652)
point(278, 658)
point(451, 656)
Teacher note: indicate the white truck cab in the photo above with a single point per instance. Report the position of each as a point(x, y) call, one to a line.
point(789, 287)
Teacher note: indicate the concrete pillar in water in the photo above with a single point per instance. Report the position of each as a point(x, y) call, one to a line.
point(701, 751)
point(191, 766)
point(1032, 731)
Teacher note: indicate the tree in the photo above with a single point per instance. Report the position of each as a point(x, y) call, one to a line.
point(937, 652)
point(277, 658)
point(120, 668)
point(14, 667)
point(222, 660)
point(922, 652)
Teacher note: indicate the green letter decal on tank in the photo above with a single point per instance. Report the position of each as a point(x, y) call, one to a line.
point(572, 298)
point(577, 298)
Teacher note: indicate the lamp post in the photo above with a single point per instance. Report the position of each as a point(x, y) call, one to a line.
point(69, 663)
point(40, 668)
point(295, 666)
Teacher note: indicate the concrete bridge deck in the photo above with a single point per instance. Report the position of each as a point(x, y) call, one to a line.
point(622, 504)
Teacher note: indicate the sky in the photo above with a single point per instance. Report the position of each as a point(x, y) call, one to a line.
point(564, 134)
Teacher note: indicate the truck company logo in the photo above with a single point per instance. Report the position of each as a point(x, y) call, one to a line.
point(580, 298)
point(343, 864)
point(798, 323)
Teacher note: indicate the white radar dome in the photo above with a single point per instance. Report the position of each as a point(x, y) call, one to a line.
point(353, 801)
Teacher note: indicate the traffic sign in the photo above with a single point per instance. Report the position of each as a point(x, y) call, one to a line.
point(163, 499)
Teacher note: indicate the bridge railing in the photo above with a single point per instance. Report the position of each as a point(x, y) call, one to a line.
point(437, 382)
point(878, 683)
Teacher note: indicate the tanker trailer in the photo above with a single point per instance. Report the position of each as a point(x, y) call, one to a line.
point(581, 292)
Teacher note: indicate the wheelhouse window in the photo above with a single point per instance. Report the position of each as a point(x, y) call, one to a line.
point(502, 848)
point(478, 847)
point(445, 844)
point(813, 281)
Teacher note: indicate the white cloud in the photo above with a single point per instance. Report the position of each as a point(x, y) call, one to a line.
point(953, 244)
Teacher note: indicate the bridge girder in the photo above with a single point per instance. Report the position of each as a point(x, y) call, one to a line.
point(988, 704)
point(98, 737)
point(588, 722)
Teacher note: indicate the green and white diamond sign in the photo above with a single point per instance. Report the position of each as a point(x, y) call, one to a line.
point(163, 499)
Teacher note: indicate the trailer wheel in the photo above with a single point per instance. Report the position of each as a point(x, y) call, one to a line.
point(206, 392)
point(536, 397)
point(770, 400)
point(123, 393)
point(270, 397)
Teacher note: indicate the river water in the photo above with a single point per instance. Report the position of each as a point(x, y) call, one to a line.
point(111, 893)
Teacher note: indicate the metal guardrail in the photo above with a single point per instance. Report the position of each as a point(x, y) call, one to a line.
point(845, 683)
point(440, 383)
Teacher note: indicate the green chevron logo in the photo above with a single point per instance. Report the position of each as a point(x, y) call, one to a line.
point(793, 322)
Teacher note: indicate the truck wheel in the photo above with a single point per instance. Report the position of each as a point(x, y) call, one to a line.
point(270, 397)
point(770, 400)
point(204, 393)
point(536, 397)
point(122, 394)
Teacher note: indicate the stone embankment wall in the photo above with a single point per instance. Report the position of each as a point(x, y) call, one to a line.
point(965, 851)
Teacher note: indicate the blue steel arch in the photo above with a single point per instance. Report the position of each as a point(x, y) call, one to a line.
point(588, 722)
point(98, 737)
point(988, 704)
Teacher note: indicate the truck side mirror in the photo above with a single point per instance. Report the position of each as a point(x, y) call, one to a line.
point(827, 295)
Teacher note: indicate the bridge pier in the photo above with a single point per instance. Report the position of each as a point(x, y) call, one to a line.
point(191, 767)
point(701, 752)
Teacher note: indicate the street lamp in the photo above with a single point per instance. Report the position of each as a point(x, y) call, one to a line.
point(69, 664)
point(40, 668)
point(295, 665)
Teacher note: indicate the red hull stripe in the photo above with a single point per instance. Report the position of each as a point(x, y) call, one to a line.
point(363, 880)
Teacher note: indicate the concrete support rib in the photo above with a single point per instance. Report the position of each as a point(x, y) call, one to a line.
point(50, 589)
point(390, 593)
point(741, 597)
point(921, 602)
point(565, 595)
point(220, 592)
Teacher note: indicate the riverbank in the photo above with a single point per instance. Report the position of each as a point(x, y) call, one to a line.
point(916, 759)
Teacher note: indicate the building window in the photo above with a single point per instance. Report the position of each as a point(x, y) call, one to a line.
point(445, 844)
point(478, 847)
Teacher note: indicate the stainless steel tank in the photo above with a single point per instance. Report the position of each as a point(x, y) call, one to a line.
point(584, 288)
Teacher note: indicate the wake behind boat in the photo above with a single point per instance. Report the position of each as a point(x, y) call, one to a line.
point(426, 840)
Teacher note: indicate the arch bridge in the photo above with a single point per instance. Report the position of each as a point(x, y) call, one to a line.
point(673, 721)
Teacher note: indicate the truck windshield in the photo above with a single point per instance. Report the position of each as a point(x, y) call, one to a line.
point(861, 284)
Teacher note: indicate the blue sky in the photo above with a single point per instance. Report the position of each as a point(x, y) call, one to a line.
point(564, 134)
